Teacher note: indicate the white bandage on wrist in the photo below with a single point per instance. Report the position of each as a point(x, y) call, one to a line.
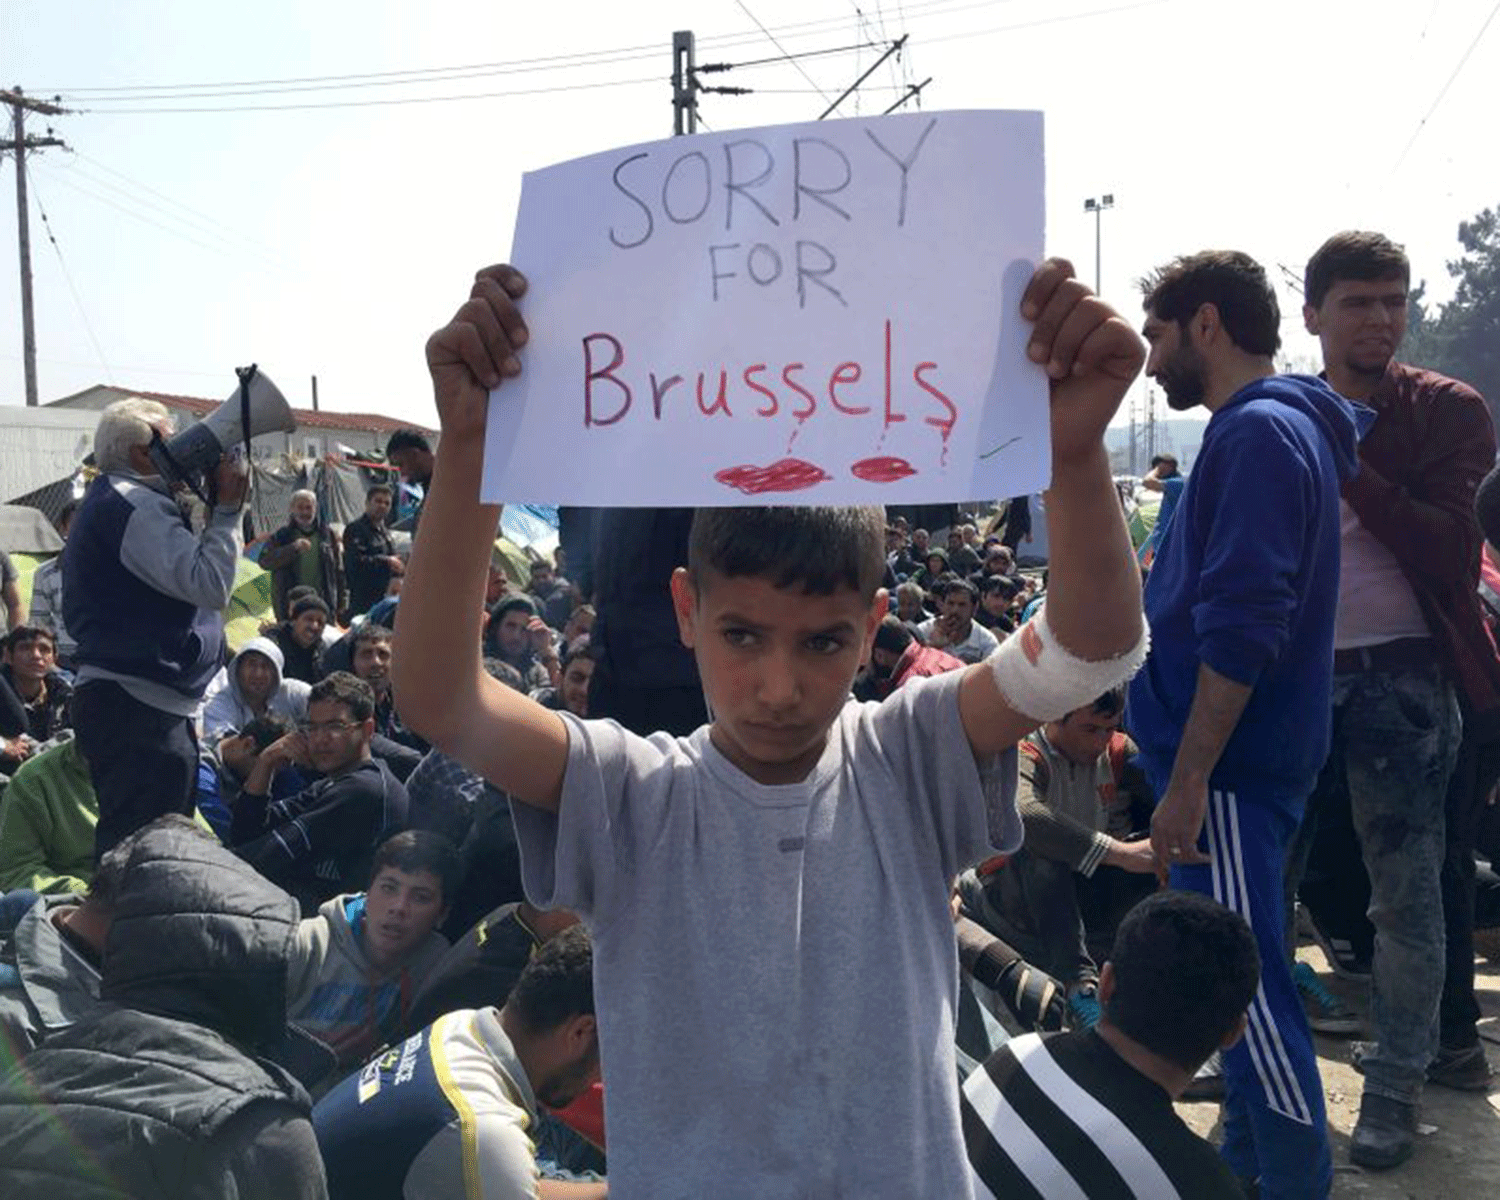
point(1041, 680)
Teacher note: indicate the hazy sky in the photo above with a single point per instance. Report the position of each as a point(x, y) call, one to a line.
point(331, 240)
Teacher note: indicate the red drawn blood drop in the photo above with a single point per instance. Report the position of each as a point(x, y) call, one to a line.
point(788, 475)
point(882, 470)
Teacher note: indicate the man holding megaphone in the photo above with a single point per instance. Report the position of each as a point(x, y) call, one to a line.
point(142, 595)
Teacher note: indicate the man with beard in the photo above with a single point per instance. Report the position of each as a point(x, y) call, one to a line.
point(1241, 605)
point(955, 630)
point(304, 552)
point(1410, 648)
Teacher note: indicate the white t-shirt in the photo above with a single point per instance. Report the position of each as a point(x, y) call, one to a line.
point(775, 968)
point(1376, 602)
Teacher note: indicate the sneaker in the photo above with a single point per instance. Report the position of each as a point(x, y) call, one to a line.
point(1467, 1070)
point(1083, 1010)
point(1324, 1011)
point(1385, 1134)
point(1208, 1082)
point(1347, 960)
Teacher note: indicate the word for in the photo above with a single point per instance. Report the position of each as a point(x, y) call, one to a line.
point(759, 389)
point(750, 181)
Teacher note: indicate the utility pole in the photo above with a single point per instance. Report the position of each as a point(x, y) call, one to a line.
point(1097, 207)
point(684, 84)
point(20, 105)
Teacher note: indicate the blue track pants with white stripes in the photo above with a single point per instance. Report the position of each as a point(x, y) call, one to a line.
point(1275, 1126)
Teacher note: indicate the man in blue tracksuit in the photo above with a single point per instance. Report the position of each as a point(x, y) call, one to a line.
point(1232, 711)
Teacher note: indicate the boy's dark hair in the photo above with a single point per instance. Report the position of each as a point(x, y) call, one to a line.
point(1233, 282)
point(892, 635)
point(267, 729)
point(499, 669)
point(109, 874)
point(557, 984)
point(960, 584)
point(1163, 460)
point(65, 513)
point(818, 550)
point(1108, 705)
point(22, 635)
point(407, 439)
point(1185, 970)
point(301, 592)
point(579, 647)
point(376, 488)
point(421, 850)
point(369, 632)
point(1487, 507)
point(1353, 254)
point(351, 691)
point(313, 603)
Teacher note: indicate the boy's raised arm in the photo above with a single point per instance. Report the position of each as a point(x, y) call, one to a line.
point(1093, 609)
point(437, 669)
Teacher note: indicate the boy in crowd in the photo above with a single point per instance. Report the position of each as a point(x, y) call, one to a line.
point(453, 1110)
point(1060, 898)
point(356, 965)
point(319, 842)
point(251, 686)
point(35, 700)
point(792, 808)
point(1089, 1114)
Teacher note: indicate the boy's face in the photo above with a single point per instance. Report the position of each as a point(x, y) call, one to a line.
point(776, 665)
point(401, 909)
point(307, 628)
point(32, 660)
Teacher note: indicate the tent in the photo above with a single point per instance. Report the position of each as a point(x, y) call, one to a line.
point(27, 531)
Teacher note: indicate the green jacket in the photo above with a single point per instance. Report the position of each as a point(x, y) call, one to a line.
point(47, 823)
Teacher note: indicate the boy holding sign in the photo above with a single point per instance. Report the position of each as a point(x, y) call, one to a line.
point(774, 953)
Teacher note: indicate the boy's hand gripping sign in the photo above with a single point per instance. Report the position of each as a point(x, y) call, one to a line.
point(825, 313)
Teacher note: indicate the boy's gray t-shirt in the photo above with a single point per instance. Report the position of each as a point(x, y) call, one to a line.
point(775, 968)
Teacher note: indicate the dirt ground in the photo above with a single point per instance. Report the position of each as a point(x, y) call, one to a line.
point(1458, 1151)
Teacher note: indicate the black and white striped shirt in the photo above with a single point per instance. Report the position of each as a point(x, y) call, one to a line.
point(1066, 1118)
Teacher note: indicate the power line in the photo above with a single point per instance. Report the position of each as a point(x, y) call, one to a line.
point(800, 69)
point(207, 224)
point(72, 287)
point(566, 87)
point(130, 212)
point(588, 58)
point(1463, 59)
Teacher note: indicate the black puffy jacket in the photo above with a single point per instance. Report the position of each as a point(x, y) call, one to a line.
point(165, 1093)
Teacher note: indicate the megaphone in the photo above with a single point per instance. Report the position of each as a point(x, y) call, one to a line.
point(190, 455)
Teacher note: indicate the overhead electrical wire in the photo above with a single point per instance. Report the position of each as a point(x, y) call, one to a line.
point(586, 58)
point(68, 277)
point(1443, 91)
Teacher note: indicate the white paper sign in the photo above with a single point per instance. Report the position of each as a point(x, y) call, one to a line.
point(824, 313)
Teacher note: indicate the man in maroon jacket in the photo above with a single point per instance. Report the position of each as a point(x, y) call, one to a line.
point(1409, 651)
point(898, 656)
